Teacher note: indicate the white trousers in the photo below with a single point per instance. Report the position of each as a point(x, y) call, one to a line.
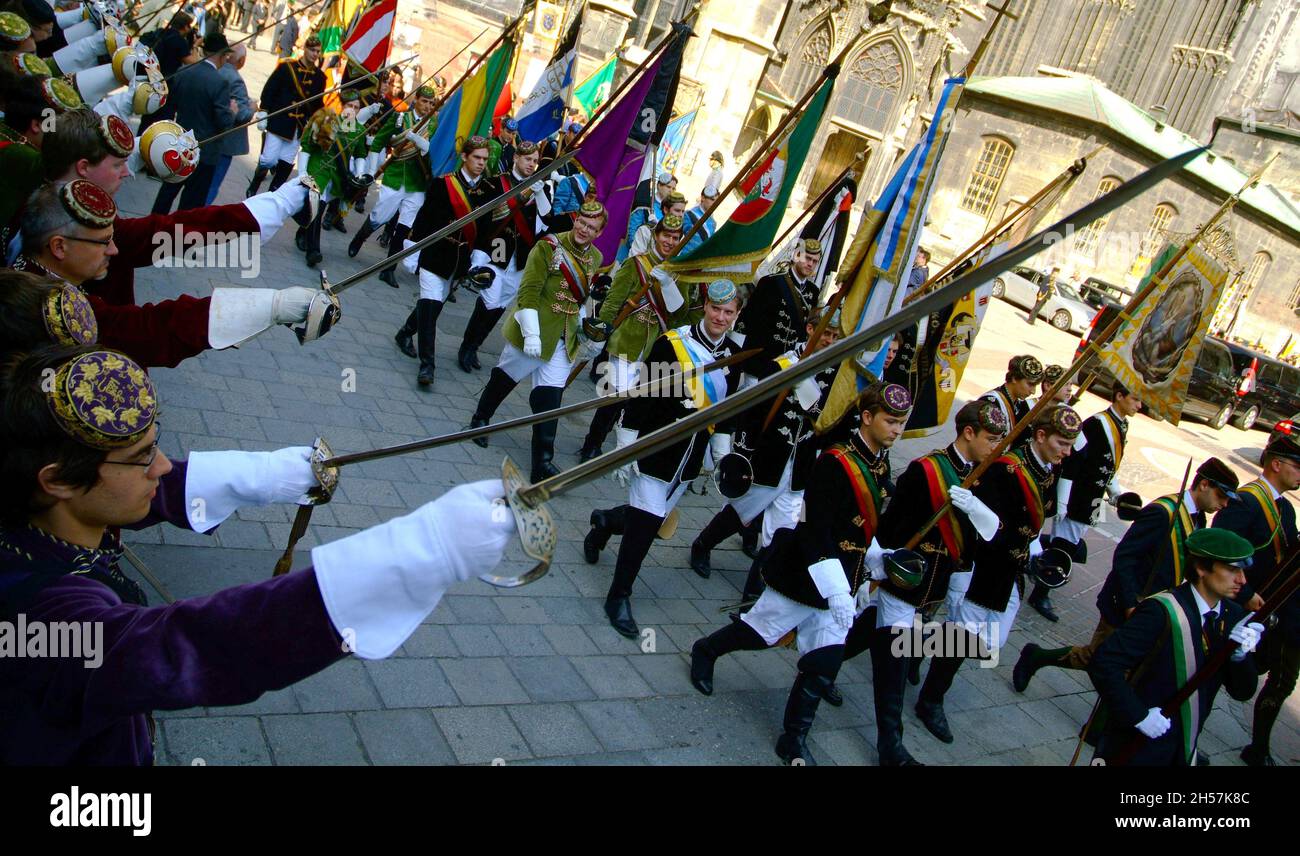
point(990, 625)
point(775, 615)
point(277, 148)
point(780, 506)
point(504, 288)
point(432, 286)
point(893, 611)
point(1071, 530)
point(550, 372)
point(652, 495)
point(400, 202)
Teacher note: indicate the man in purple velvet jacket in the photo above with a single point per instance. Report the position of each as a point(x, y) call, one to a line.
point(79, 458)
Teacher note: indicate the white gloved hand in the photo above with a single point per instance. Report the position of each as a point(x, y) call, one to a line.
point(876, 560)
point(589, 349)
point(542, 201)
point(271, 208)
point(807, 393)
point(1113, 490)
point(417, 140)
point(379, 584)
point(217, 484)
point(624, 437)
point(1155, 724)
point(719, 446)
point(841, 606)
point(532, 331)
point(862, 600)
point(980, 515)
point(365, 114)
point(260, 116)
point(1246, 634)
point(291, 304)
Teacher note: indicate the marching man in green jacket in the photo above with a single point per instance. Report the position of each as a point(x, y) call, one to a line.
point(329, 143)
point(545, 334)
point(651, 303)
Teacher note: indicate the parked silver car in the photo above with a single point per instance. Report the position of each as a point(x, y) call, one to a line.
point(1066, 310)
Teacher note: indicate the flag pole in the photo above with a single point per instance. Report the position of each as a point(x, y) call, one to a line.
point(256, 32)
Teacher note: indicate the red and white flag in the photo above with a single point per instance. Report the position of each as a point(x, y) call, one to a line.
point(367, 43)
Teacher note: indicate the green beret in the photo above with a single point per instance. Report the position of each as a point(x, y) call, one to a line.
point(1221, 545)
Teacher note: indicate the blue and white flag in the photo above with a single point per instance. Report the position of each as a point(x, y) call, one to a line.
point(543, 110)
point(670, 147)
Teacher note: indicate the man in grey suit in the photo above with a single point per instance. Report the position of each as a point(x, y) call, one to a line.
point(236, 143)
point(204, 106)
point(284, 45)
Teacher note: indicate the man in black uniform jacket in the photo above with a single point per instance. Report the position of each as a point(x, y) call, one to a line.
point(1151, 557)
point(658, 481)
point(950, 546)
point(1164, 643)
point(292, 81)
point(1024, 373)
point(448, 198)
point(1089, 474)
point(818, 574)
point(1266, 518)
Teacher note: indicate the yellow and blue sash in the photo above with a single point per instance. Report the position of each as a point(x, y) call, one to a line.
point(706, 389)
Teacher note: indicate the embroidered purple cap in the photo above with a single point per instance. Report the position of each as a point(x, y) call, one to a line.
point(69, 318)
point(896, 398)
point(104, 399)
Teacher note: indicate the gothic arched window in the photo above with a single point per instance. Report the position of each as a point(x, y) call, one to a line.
point(812, 57)
point(986, 178)
point(869, 86)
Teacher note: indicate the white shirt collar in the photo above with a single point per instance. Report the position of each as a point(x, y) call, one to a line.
point(1189, 502)
point(472, 182)
point(1202, 607)
point(209, 61)
point(1277, 494)
point(959, 455)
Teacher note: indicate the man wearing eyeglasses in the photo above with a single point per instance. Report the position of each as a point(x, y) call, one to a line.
point(69, 232)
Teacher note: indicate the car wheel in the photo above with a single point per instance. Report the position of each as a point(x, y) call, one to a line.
point(1221, 418)
point(1061, 319)
point(1245, 421)
point(999, 288)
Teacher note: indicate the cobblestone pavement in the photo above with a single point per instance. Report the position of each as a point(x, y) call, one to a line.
point(536, 675)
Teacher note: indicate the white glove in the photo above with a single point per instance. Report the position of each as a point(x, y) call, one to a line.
point(379, 584)
point(531, 328)
point(980, 515)
point(624, 437)
point(719, 446)
point(420, 142)
point(217, 484)
point(272, 208)
point(1063, 488)
point(862, 600)
point(365, 114)
point(80, 55)
point(542, 201)
point(291, 304)
point(1113, 490)
point(1246, 634)
point(876, 560)
point(1035, 547)
point(260, 116)
point(672, 295)
point(119, 104)
point(1155, 724)
point(807, 393)
point(842, 611)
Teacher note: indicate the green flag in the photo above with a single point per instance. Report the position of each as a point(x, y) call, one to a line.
point(593, 91)
point(737, 248)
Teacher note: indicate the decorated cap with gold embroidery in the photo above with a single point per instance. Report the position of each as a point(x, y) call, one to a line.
point(669, 223)
point(1061, 419)
point(525, 147)
point(13, 29)
point(104, 399)
point(88, 203)
point(1053, 373)
point(473, 142)
point(69, 319)
point(810, 246)
point(117, 135)
point(592, 209)
point(60, 94)
point(1026, 366)
point(722, 291)
point(674, 198)
point(981, 413)
point(426, 92)
point(31, 65)
point(896, 398)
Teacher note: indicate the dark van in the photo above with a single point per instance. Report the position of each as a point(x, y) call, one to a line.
point(1212, 391)
point(1269, 390)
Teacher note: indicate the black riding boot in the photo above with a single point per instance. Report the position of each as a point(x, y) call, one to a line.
point(888, 671)
point(405, 337)
point(602, 422)
point(541, 399)
point(426, 328)
point(817, 671)
point(736, 636)
point(604, 523)
point(386, 236)
point(754, 585)
point(334, 217)
point(638, 534)
point(480, 323)
point(359, 239)
point(749, 536)
point(389, 274)
point(499, 385)
point(723, 525)
point(255, 185)
point(929, 704)
point(1039, 600)
point(280, 174)
point(313, 238)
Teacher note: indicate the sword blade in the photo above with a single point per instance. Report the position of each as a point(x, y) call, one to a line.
point(847, 347)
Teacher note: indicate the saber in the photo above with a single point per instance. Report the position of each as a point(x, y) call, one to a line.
point(139, 564)
point(651, 387)
point(527, 501)
point(296, 104)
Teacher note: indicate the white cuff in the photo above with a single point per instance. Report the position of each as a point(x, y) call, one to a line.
point(672, 293)
point(1063, 488)
point(235, 315)
point(625, 436)
point(807, 393)
point(828, 576)
point(118, 104)
point(528, 322)
point(420, 142)
point(70, 18)
point(542, 201)
point(365, 114)
point(478, 258)
point(303, 157)
point(82, 29)
point(271, 209)
point(1035, 547)
point(80, 55)
point(217, 484)
point(719, 446)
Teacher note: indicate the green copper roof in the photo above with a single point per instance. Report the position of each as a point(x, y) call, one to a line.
point(1089, 100)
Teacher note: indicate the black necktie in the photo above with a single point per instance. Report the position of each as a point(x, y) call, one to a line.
point(1198, 519)
point(1209, 629)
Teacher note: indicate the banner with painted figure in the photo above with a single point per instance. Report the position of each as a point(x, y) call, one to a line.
point(1154, 353)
